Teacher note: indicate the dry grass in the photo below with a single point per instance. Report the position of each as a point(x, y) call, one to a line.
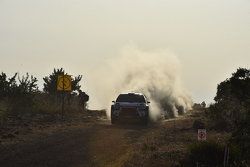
point(168, 145)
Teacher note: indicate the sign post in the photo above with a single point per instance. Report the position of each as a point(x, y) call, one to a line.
point(63, 85)
point(202, 134)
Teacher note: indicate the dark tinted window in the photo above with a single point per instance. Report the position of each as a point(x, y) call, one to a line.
point(132, 98)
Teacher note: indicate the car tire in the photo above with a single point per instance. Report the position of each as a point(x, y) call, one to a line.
point(113, 119)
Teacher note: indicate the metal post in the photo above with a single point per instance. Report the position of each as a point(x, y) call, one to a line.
point(228, 151)
point(63, 99)
point(226, 156)
point(224, 159)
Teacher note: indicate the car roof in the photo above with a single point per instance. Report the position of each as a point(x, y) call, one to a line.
point(133, 93)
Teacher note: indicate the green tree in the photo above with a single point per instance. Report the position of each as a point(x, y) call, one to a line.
point(232, 106)
point(18, 92)
point(241, 137)
point(12, 87)
point(50, 82)
point(27, 84)
point(238, 86)
point(7, 85)
point(231, 100)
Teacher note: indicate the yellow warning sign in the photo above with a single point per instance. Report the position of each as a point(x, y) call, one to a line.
point(64, 83)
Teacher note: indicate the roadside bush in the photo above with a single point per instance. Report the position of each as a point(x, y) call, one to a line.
point(198, 124)
point(46, 103)
point(22, 99)
point(7, 85)
point(220, 122)
point(241, 138)
point(210, 154)
point(50, 88)
point(231, 100)
point(3, 111)
point(50, 82)
point(227, 114)
point(231, 110)
point(17, 93)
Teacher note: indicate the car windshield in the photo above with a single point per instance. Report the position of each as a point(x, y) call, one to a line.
point(132, 98)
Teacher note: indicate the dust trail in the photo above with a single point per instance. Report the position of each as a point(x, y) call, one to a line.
point(154, 73)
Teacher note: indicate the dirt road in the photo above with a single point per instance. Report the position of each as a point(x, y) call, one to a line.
point(92, 144)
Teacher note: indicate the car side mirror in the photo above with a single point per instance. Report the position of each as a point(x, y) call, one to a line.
point(148, 102)
point(113, 101)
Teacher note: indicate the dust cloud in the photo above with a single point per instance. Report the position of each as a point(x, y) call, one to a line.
point(154, 73)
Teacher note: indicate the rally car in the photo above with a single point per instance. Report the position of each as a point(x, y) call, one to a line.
point(130, 106)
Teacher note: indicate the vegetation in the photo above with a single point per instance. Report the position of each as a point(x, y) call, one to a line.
point(231, 111)
point(16, 93)
point(178, 145)
point(19, 95)
point(211, 153)
point(50, 82)
point(10, 87)
point(230, 117)
point(232, 100)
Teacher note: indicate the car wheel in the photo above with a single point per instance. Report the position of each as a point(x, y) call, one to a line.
point(113, 119)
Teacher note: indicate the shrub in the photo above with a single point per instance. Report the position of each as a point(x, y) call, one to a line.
point(198, 124)
point(7, 85)
point(210, 154)
point(231, 100)
point(241, 138)
point(17, 92)
point(50, 82)
point(231, 110)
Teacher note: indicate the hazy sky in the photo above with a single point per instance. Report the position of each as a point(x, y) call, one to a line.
point(210, 37)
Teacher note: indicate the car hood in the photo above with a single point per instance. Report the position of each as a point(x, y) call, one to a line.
point(127, 104)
